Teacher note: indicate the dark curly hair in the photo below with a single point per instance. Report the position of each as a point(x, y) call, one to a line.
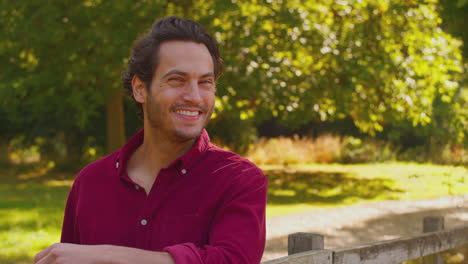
point(144, 58)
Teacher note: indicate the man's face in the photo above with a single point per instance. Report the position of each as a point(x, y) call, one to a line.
point(181, 97)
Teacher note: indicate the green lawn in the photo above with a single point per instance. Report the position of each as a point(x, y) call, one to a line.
point(32, 200)
point(307, 187)
point(31, 211)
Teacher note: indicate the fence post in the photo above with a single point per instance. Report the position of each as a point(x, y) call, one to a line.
point(433, 224)
point(301, 242)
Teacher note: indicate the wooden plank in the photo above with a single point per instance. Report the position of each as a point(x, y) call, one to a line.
point(309, 257)
point(303, 242)
point(433, 224)
point(399, 250)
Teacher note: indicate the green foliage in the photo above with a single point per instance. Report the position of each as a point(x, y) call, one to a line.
point(62, 59)
point(379, 63)
point(355, 150)
point(453, 14)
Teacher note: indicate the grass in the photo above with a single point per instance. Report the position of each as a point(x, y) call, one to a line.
point(32, 199)
point(31, 212)
point(308, 187)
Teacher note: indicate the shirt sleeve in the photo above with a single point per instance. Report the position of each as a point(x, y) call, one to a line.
point(70, 232)
point(238, 230)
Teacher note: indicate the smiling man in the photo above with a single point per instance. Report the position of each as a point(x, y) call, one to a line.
point(168, 195)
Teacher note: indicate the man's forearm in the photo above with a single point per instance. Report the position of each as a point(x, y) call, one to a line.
point(100, 254)
point(126, 255)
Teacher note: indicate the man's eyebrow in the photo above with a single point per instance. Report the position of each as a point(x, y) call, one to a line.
point(209, 74)
point(175, 72)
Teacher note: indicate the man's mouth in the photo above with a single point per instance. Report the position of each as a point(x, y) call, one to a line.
point(188, 113)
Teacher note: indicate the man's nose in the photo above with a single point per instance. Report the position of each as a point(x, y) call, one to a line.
point(192, 93)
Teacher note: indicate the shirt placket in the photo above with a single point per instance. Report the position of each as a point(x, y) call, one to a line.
point(165, 189)
point(157, 196)
point(142, 224)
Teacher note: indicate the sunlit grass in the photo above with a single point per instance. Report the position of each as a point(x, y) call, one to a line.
point(31, 212)
point(32, 201)
point(315, 186)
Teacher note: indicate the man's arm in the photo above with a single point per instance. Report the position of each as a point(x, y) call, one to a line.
point(237, 234)
point(99, 254)
point(69, 251)
point(70, 232)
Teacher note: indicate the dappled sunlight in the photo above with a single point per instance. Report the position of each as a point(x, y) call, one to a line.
point(25, 232)
point(14, 217)
point(38, 172)
point(31, 219)
point(31, 213)
point(33, 174)
point(304, 84)
point(273, 210)
point(31, 209)
point(19, 245)
point(306, 187)
point(66, 183)
point(393, 225)
point(365, 223)
point(318, 187)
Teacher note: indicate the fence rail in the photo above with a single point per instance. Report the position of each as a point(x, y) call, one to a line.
point(433, 242)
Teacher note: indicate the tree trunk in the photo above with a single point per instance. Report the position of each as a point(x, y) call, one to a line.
point(115, 121)
point(3, 152)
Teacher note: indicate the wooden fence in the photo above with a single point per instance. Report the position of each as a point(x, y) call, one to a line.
point(305, 248)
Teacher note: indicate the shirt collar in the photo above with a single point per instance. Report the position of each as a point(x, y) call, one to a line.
point(184, 162)
point(189, 159)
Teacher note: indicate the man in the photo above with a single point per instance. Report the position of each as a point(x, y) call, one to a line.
point(168, 195)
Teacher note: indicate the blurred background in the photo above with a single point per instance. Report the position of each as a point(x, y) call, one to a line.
point(379, 83)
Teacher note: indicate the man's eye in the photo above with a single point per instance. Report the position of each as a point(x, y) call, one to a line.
point(176, 79)
point(207, 82)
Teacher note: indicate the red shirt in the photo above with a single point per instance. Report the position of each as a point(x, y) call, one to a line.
point(208, 206)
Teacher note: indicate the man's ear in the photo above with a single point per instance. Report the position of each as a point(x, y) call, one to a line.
point(139, 90)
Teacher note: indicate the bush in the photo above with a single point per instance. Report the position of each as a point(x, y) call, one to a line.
point(296, 150)
point(356, 150)
point(445, 154)
point(323, 149)
point(330, 149)
point(281, 150)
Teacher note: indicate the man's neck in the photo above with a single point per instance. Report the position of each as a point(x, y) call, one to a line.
point(157, 151)
point(161, 149)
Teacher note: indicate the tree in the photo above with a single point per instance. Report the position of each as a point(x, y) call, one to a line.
point(64, 60)
point(376, 62)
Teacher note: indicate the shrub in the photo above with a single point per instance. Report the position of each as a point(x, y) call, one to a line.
point(281, 150)
point(323, 149)
point(296, 150)
point(356, 150)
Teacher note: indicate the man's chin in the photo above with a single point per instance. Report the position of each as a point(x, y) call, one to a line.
point(186, 135)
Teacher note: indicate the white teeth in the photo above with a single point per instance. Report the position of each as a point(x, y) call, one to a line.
point(187, 113)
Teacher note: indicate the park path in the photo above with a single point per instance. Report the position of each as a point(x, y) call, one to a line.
point(364, 223)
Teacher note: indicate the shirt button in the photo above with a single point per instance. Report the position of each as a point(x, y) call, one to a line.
point(117, 165)
point(183, 171)
point(137, 187)
point(143, 222)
